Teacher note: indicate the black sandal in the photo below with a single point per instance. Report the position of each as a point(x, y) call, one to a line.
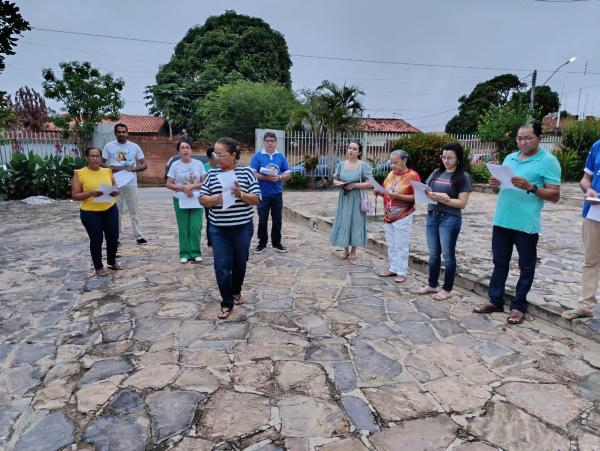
point(225, 312)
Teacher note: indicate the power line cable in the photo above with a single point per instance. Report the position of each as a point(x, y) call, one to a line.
point(320, 57)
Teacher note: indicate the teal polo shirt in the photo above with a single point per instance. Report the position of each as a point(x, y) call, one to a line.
point(515, 208)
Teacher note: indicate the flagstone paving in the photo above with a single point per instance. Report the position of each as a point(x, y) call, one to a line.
point(324, 355)
point(560, 250)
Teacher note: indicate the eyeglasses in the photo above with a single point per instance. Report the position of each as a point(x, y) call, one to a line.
point(221, 155)
point(270, 140)
point(444, 158)
point(527, 139)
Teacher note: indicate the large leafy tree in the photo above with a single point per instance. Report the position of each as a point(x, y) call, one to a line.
point(546, 101)
point(237, 109)
point(227, 48)
point(87, 97)
point(12, 24)
point(500, 125)
point(331, 109)
point(493, 93)
point(30, 109)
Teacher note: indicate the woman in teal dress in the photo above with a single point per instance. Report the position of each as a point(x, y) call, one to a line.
point(350, 224)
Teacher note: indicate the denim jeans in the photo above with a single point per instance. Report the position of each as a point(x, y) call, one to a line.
point(503, 241)
point(231, 247)
point(100, 224)
point(442, 233)
point(275, 205)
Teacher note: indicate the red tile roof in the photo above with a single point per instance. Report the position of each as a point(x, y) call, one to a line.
point(386, 125)
point(136, 124)
point(139, 124)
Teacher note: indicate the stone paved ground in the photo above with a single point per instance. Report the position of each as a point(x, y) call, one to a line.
point(324, 354)
point(560, 250)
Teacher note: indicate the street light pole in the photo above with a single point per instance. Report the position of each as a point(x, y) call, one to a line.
point(532, 97)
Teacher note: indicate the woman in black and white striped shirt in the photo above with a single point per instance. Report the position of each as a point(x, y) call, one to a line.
point(231, 229)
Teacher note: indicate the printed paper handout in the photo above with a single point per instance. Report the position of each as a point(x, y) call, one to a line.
point(420, 189)
point(376, 186)
point(106, 190)
point(227, 181)
point(268, 171)
point(503, 173)
point(594, 213)
point(123, 178)
point(186, 202)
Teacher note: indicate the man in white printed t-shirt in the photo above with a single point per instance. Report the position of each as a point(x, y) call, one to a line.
point(124, 155)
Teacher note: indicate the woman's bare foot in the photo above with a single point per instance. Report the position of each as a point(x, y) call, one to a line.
point(427, 290)
point(101, 272)
point(441, 295)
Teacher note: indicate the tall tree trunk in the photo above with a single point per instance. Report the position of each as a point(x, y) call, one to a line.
point(330, 155)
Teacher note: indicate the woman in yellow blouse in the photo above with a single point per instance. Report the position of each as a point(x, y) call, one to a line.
point(100, 219)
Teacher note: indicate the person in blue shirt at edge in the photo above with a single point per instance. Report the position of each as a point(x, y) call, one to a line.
point(517, 220)
point(271, 188)
point(590, 184)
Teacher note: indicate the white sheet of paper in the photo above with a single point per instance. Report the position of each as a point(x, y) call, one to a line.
point(106, 190)
point(227, 179)
point(594, 213)
point(420, 190)
point(376, 186)
point(268, 171)
point(123, 178)
point(593, 200)
point(503, 173)
point(186, 202)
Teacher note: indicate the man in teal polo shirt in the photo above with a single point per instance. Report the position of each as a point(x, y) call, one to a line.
point(517, 221)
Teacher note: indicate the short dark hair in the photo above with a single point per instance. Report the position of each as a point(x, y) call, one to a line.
point(232, 146)
point(535, 126)
point(89, 149)
point(181, 142)
point(120, 124)
point(269, 135)
point(210, 152)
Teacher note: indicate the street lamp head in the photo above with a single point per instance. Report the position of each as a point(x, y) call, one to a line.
point(571, 60)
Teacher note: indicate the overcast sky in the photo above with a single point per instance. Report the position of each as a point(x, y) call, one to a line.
point(510, 35)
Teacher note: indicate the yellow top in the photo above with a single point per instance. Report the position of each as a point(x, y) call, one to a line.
point(91, 181)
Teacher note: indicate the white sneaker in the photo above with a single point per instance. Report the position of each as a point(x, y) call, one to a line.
point(197, 259)
point(183, 260)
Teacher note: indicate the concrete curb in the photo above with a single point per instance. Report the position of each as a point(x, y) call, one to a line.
point(564, 200)
point(537, 307)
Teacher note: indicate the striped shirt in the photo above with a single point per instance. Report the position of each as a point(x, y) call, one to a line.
point(239, 213)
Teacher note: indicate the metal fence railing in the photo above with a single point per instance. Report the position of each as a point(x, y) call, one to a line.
point(377, 146)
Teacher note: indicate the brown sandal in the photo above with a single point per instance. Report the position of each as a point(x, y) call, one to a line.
point(115, 267)
point(225, 312)
point(400, 279)
point(237, 299)
point(388, 274)
point(487, 308)
point(515, 317)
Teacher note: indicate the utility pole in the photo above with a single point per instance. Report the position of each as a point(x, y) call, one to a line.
point(579, 99)
point(532, 94)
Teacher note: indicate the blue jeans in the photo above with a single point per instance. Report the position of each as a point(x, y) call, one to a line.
point(503, 241)
point(231, 248)
point(275, 205)
point(442, 233)
point(100, 224)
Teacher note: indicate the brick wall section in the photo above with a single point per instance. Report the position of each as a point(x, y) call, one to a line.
point(158, 150)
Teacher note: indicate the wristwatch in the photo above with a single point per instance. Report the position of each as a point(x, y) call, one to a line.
point(533, 189)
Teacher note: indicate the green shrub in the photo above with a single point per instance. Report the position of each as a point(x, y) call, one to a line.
point(571, 165)
point(579, 136)
point(297, 181)
point(425, 150)
point(32, 175)
point(479, 173)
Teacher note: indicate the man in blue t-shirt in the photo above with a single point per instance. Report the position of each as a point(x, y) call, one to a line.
point(517, 221)
point(590, 184)
point(271, 169)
